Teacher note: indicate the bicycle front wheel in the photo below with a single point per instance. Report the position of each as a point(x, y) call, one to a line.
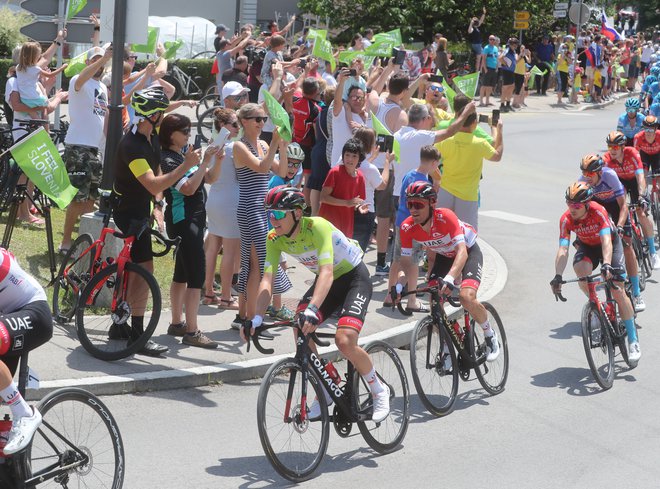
point(207, 101)
point(205, 124)
point(386, 436)
point(598, 345)
point(434, 367)
point(492, 375)
point(639, 256)
point(104, 311)
point(74, 275)
point(294, 447)
point(78, 432)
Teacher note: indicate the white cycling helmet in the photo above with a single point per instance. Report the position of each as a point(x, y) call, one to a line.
point(295, 152)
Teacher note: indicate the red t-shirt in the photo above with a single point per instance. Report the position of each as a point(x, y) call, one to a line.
point(446, 232)
point(629, 167)
point(344, 186)
point(588, 229)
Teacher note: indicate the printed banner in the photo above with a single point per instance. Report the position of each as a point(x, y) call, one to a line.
point(380, 128)
point(467, 84)
point(76, 65)
point(348, 56)
point(279, 116)
point(41, 162)
point(393, 36)
point(317, 34)
point(152, 41)
point(380, 48)
point(323, 50)
point(75, 6)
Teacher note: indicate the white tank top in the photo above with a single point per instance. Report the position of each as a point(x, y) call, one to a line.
point(383, 109)
point(17, 287)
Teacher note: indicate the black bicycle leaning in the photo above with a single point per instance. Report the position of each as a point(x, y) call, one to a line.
point(77, 445)
point(295, 444)
point(441, 349)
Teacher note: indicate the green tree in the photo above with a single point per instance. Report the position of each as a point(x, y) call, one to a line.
point(10, 34)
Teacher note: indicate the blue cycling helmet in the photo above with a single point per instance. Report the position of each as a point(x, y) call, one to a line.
point(655, 71)
point(651, 79)
point(632, 103)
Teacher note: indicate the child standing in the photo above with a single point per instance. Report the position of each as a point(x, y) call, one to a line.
point(598, 83)
point(30, 68)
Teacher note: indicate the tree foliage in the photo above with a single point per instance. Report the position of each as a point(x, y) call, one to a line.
point(10, 34)
point(420, 19)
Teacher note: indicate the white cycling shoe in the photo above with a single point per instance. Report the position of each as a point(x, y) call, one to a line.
point(22, 431)
point(381, 405)
point(493, 347)
point(634, 352)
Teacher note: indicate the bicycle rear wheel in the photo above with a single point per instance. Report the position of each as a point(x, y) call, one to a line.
point(207, 101)
point(386, 436)
point(492, 375)
point(205, 124)
point(430, 349)
point(72, 279)
point(78, 432)
point(598, 345)
point(655, 211)
point(96, 314)
point(294, 447)
point(178, 89)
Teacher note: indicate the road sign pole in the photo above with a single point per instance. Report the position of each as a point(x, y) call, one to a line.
point(575, 55)
point(58, 81)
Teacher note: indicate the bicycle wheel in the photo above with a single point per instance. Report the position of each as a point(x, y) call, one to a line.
point(78, 432)
point(204, 55)
point(206, 103)
point(492, 375)
point(72, 278)
point(294, 447)
point(598, 345)
point(386, 436)
point(430, 347)
point(178, 89)
point(655, 211)
point(205, 125)
point(95, 313)
point(639, 256)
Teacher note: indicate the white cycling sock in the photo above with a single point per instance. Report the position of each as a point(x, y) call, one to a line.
point(375, 385)
point(488, 331)
point(19, 408)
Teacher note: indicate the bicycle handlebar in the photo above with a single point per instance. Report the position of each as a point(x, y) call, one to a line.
point(596, 277)
point(434, 285)
point(255, 339)
point(137, 232)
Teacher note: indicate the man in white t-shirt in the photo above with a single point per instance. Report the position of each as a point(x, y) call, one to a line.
point(88, 107)
point(341, 132)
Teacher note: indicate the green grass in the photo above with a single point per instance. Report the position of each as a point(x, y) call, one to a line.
point(29, 245)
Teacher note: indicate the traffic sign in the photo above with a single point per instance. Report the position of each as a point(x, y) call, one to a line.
point(50, 7)
point(521, 15)
point(46, 31)
point(579, 13)
point(520, 25)
point(561, 5)
point(560, 14)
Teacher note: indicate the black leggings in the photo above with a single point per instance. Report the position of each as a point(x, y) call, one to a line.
point(563, 77)
point(518, 81)
point(190, 266)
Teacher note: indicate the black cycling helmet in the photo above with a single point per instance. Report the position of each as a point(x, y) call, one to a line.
point(579, 193)
point(149, 101)
point(421, 190)
point(283, 198)
point(591, 162)
point(616, 138)
point(650, 121)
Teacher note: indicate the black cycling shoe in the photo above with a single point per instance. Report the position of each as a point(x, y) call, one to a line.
point(119, 332)
point(152, 349)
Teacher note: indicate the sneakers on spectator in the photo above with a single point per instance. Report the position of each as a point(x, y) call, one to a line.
point(22, 431)
point(178, 329)
point(237, 323)
point(381, 405)
point(285, 314)
point(493, 347)
point(639, 304)
point(634, 354)
point(655, 260)
point(199, 339)
point(384, 270)
point(271, 311)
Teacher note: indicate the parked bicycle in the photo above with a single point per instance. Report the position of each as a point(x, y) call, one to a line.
point(295, 444)
point(185, 85)
point(602, 329)
point(444, 348)
point(77, 445)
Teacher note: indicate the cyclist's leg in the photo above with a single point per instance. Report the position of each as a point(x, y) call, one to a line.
point(625, 306)
point(585, 260)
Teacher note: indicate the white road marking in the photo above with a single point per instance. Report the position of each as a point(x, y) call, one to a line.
point(507, 216)
point(578, 114)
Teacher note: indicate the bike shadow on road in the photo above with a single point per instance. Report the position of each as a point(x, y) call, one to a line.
point(577, 381)
point(567, 331)
point(464, 400)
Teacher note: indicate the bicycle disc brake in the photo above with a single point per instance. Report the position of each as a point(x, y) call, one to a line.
point(463, 368)
point(340, 421)
point(121, 313)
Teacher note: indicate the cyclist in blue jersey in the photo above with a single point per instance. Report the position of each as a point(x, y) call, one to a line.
point(630, 123)
point(649, 90)
point(654, 109)
point(609, 192)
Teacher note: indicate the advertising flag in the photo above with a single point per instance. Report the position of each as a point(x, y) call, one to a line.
point(278, 115)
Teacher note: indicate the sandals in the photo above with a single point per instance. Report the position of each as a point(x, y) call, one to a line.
point(211, 300)
point(229, 304)
point(34, 221)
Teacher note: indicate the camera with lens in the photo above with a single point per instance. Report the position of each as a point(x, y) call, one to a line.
point(255, 54)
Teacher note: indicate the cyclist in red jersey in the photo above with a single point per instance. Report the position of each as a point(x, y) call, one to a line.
point(597, 242)
point(647, 142)
point(627, 164)
point(457, 253)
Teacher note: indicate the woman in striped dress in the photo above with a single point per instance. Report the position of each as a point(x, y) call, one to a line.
point(254, 159)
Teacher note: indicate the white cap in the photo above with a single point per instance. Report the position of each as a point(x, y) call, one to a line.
point(95, 51)
point(232, 88)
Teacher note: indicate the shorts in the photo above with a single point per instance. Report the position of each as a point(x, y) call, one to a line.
point(363, 227)
point(471, 273)
point(352, 291)
point(307, 162)
point(417, 253)
point(633, 72)
point(141, 250)
point(34, 103)
point(589, 72)
point(651, 162)
point(384, 199)
point(598, 90)
point(631, 188)
point(190, 265)
point(507, 77)
point(489, 79)
point(594, 254)
point(23, 331)
point(85, 170)
point(477, 48)
point(519, 81)
point(466, 210)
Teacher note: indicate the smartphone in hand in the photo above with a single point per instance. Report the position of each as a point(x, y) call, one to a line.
point(352, 72)
point(385, 143)
point(436, 79)
point(484, 118)
point(198, 141)
point(399, 56)
point(495, 117)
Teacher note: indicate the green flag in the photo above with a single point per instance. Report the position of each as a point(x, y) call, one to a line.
point(171, 47)
point(278, 115)
point(535, 71)
point(323, 50)
point(380, 48)
point(76, 65)
point(152, 41)
point(379, 128)
point(75, 6)
point(449, 92)
point(348, 56)
point(393, 36)
point(317, 34)
point(467, 84)
point(41, 162)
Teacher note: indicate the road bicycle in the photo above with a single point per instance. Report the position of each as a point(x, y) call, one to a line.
point(602, 329)
point(640, 246)
point(94, 288)
point(655, 200)
point(185, 86)
point(293, 442)
point(205, 124)
point(442, 348)
point(77, 445)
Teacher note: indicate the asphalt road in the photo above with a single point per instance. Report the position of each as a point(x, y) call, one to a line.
point(552, 426)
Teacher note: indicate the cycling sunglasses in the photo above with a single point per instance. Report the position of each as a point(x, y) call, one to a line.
point(614, 146)
point(415, 204)
point(574, 205)
point(277, 215)
point(590, 173)
point(632, 111)
point(257, 118)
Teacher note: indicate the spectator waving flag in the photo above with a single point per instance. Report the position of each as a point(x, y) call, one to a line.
point(279, 116)
point(75, 6)
point(39, 159)
point(607, 30)
point(323, 50)
point(152, 41)
point(467, 84)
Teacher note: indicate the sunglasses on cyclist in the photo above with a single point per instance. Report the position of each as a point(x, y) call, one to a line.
point(294, 164)
point(632, 111)
point(574, 205)
point(258, 119)
point(277, 215)
point(416, 204)
point(614, 146)
point(590, 173)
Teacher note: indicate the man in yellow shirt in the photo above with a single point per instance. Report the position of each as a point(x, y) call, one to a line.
point(463, 156)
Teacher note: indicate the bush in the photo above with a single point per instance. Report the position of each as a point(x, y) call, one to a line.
point(10, 33)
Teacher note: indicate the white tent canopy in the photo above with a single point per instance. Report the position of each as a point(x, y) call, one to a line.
point(196, 33)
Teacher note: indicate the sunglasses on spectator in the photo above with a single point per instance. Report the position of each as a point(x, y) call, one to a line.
point(356, 97)
point(232, 124)
point(294, 164)
point(417, 205)
point(185, 130)
point(277, 215)
point(649, 130)
point(133, 56)
point(614, 146)
point(257, 118)
point(574, 205)
point(437, 88)
point(239, 97)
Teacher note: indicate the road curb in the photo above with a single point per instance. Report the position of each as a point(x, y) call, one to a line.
point(397, 336)
point(616, 97)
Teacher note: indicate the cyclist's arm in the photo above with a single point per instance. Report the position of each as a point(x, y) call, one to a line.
point(606, 246)
point(264, 294)
point(561, 259)
point(623, 210)
point(459, 261)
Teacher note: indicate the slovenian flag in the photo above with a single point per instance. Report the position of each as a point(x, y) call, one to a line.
point(607, 30)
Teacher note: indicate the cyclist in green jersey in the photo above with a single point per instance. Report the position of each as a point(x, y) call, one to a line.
point(342, 280)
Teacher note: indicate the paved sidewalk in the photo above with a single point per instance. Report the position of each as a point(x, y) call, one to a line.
point(64, 362)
